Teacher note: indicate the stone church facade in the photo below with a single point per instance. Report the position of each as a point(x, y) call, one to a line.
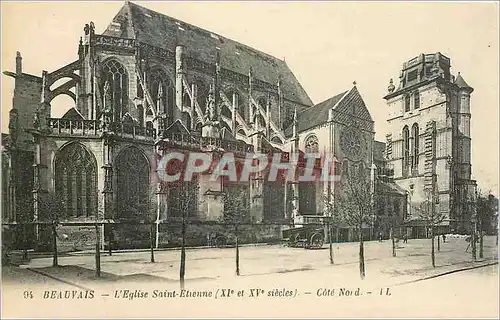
point(150, 85)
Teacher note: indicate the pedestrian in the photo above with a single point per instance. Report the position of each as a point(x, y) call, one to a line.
point(444, 238)
point(405, 238)
point(380, 237)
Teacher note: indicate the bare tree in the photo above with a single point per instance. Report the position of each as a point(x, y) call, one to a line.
point(389, 207)
point(431, 219)
point(354, 204)
point(485, 215)
point(52, 210)
point(236, 212)
point(185, 196)
point(331, 212)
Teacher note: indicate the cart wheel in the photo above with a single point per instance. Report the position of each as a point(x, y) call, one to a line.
point(220, 241)
point(317, 241)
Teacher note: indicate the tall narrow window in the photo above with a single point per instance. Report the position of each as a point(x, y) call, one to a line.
point(406, 149)
point(76, 180)
point(140, 115)
point(132, 181)
point(407, 103)
point(162, 92)
point(416, 100)
point(415, 133)
point(114, 84)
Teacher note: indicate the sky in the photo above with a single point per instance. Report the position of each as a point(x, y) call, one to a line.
point(327, 45)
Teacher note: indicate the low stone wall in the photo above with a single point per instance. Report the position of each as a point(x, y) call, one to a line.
point(76, 238)
point(200, 234)
point(138, 236)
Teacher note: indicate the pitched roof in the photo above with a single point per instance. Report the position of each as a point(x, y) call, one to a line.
point(73, 114)
point(159, 30)
point(460, 82)
point(315, 115)
point(346, 105)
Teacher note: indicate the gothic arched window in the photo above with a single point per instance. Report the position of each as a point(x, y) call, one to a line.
point(406, 147)
point(415, 133)
point(114, 81)
point(162, 92)
point(76, 180)
point(311, 144)
point(132, 181)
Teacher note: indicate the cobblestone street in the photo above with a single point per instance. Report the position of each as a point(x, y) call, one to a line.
point(306, 274)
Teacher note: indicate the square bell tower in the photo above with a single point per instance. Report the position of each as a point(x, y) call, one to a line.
point(428, 141)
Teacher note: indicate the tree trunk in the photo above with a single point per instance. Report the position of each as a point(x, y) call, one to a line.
point(110, 238)
point(97, 251)
point(330, 240)
point(473, 244)
point(439, 242)
point(182, 271)
point(55, 262)
point(361, 255)
point(433, 256)
point(237, 253)
point(152, 242)
point(481, 245)
point(393, 243)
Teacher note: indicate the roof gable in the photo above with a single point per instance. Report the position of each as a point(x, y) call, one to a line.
point(159, 30)
point(345, 105)
point(315, 115)
point(73, 114)
point(177, 128)
point(354, 105)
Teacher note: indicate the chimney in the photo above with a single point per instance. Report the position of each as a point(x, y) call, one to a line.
point(19, 63)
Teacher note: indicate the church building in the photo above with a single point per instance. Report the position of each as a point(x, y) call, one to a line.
point(151, 84)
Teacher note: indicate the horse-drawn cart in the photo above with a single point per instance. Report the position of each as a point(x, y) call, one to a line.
point(307, 236)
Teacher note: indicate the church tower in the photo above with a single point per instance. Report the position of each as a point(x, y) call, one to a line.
point(429, 143)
